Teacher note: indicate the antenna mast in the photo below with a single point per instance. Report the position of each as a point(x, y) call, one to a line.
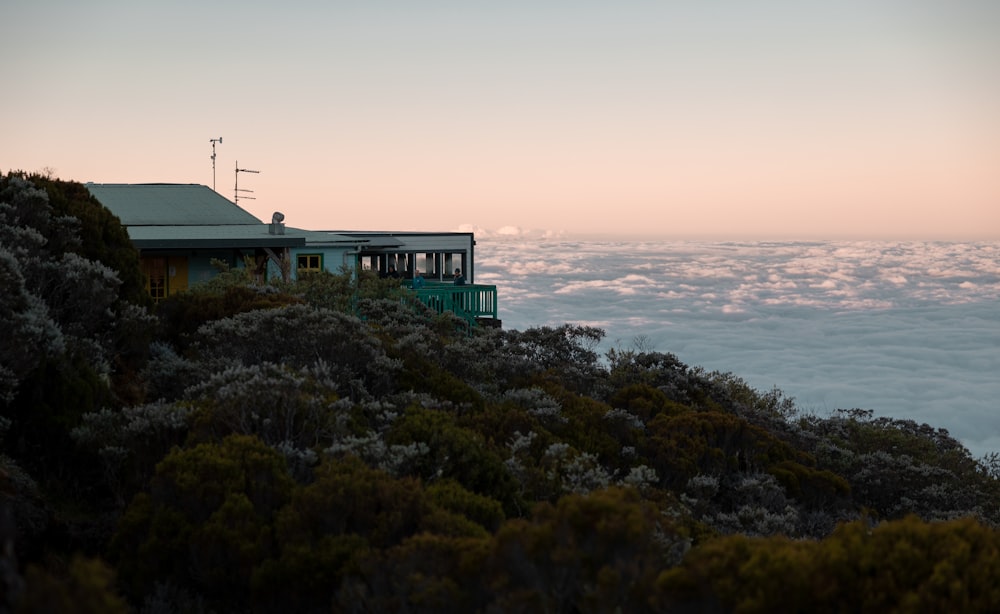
point(214, 141)
point(236, 198)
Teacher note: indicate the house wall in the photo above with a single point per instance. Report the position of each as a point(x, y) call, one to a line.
point(171, 271)
point(333, 259)
point(200, 267)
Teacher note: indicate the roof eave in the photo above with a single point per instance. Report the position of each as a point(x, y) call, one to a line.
point(217, 243)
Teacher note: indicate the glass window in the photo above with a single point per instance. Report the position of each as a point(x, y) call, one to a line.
point(309, 263)
point(156, 277)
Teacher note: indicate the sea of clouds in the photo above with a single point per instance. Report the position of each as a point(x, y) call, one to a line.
point(909, 330)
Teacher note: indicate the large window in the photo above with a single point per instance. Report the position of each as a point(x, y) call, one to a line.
point(432, 265)
point(309, 263)
point(454, 261)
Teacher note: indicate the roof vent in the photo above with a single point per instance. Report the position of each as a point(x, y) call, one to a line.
point(277, 227)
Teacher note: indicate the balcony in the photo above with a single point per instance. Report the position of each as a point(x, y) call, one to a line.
point(474, 303)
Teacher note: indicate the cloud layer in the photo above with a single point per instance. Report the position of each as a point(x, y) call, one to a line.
point(908, 329)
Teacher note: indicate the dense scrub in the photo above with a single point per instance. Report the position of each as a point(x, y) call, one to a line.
point(329, 445)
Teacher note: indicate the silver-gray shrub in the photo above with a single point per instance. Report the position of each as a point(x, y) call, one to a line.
point(624, 417)
point(132, 440)
point(167, 373)
point(29, 332)
point(899, 485)
point(80, 294)
point(699, 493)
point(54, 301)
point(397, 317)
point(753, 504)
point(641, 477)
point(584, 473)
point(300, 335)
point(574, 471)
point(565, 351)
point(394, 459)
point(135, 428)
point(278, 404)
point(536, 402)
point(520, 457)
point(477, 360)
point(755, 521)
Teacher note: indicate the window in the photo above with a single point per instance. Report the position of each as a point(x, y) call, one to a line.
point(156, 277)
point(452, 261)
point(309, 263)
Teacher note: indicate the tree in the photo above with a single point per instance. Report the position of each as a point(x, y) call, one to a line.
point(594, 553)
point(63, 352)
point(905, 565)
point(206, 522)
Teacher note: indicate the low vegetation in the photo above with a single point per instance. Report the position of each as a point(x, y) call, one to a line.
point(327, 445)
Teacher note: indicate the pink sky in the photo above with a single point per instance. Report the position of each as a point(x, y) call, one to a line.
point(870, 119)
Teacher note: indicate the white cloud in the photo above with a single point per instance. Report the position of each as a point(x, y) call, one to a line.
point(907, 329)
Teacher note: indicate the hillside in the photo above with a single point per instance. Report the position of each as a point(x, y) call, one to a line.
point(329, 445)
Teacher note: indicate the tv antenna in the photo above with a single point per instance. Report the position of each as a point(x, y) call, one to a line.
point(236, 198)
point(214, 141)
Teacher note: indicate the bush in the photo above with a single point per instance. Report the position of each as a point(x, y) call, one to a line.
point(206, 522)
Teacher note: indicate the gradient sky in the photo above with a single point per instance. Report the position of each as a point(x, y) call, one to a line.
point(770, 119)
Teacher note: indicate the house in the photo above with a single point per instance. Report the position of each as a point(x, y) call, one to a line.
point(179, 229)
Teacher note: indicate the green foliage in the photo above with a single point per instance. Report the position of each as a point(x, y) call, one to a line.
point(68, 270)
point(207, 520)
point(814, 487)
point(772, 404)
point(348, 497)
point(566, 352)
point(424, 376)
point(325, 289)
point(897, 467)
point(645, 402)
point(712, 443)
point(51, 402)
point(85, 586)
point(23, 514)
point(450, 495)
point(596, 553)
point(131, 441)
point(425, 573)
point(183, 313)
point(329, 527)
point(906, 565)
point(103, 238)
point(304, 576)
point(586, 427)
point(666, 372)
point(457, 453)
point(28, 325)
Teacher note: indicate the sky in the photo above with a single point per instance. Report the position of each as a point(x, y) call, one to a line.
point(769, 119)
point(907, 329)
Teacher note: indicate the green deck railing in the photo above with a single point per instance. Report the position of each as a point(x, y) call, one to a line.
point(470, 302)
